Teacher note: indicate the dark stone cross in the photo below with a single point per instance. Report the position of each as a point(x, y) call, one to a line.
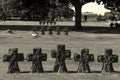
point(50, 30)
point(51, 22)
point(60, 54)
point(108, 59)
point(13, 57)
point(40, 22)
point(54, 22)
point(42, 30)
point(37, 57)
point(58, 30)
point(66, 30)
point(84, 58)
point(47, 21)
point(117, 25)
point(43, 22)
point(111, 25)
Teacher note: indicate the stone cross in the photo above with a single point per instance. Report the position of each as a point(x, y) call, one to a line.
point(40, 22)
point(54, 22)
point(37, 57)
point(108, 59)
point(58, 30)
point(47, 21)
point(43, 22)
point(51, 22)
point(84, 58)
point(50, 30)
point(111, 25)
point(66, 30)
point(60, 55)
point(42, 30)
point(13, 57)
point(8, 56)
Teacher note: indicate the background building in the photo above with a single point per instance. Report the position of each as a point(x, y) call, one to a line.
point(90, 16)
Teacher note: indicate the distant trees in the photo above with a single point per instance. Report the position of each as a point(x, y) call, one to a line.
point(110, 4)
point(113, 5)
point(11, 7)
point(61, 10)
point(32, 9)
point(35, 8)
point(25, 9)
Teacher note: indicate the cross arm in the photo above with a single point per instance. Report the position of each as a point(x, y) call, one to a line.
point(19, 57)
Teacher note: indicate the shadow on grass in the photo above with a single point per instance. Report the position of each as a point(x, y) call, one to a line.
point(95, 72)
point(117, 72)
point(93, 29)
point(72, 71)
point(87, 29)
point(49, 72)
point(57, 72)
point(77, 72)
point(25, 72)
point(43, 72)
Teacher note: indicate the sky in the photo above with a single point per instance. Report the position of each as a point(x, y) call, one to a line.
point(95, 8)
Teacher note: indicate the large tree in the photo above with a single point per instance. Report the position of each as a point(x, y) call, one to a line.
point(78, 7)
point(109, 4)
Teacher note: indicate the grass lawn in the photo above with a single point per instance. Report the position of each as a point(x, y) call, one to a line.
point(75, 41)
point(104, 24)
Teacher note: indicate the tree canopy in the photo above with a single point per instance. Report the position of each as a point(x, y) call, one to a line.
point(24, 8)
point(110, 4)
point(29, 9)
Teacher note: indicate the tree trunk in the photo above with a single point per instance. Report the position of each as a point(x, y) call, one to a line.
point(78, 9)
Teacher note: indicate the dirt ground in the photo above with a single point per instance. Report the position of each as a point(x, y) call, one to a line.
point(75, 41)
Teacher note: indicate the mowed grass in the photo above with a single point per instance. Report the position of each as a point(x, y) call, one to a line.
point(75, 41)
point(62, 23)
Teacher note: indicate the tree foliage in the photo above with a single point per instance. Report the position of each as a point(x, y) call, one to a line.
point(24, 8)
point(61, 10)
point(30, 9)
point(110, 4)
